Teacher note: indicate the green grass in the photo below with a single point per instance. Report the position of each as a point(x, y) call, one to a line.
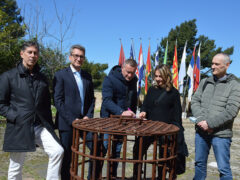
point(54, 111)
point(97, 110)
point(4, 161)
point(33, 167)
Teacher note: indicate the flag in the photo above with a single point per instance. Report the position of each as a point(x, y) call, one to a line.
point(175, 68)
point(165, 55)
point(197, 70)
point(132, 52)
point(140, 70)
point(121, 56)
point(148, 69)
point(182, 71)
point(156, 57)
point(190, 74)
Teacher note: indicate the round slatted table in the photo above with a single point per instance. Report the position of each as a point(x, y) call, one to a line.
point(127, 128)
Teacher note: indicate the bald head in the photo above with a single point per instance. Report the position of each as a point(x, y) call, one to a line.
point(220, 64)
point(224, 57)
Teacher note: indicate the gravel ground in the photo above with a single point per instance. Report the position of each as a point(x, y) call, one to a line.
point(36, 162)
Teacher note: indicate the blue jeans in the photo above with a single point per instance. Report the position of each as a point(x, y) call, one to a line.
point(221, 149)
point(117, 146)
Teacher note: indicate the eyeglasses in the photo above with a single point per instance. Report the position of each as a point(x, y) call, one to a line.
point(76, 56)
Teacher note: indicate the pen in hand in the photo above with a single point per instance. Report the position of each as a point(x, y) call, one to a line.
point(133, 114)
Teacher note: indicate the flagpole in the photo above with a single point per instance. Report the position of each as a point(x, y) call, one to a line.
point(182, 70)
point(155, 61)
point(157, 50)
point(132, 51)
point(182, 85)
point(131, 40)
point(121, 56)
point(150, 61)
point(151, 74)
point(132, 47)
point(165, 54)
point(120, 50)
point(184, 103)
point(139, 103)
point(175, 67)
point(190, 73)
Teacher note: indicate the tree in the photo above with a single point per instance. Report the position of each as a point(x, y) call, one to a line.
point(38, 27)
point(11, 32)
point(51, 60)
point(97, 72)
point(188, 31)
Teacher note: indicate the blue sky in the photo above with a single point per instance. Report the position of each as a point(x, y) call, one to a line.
point(98, 25)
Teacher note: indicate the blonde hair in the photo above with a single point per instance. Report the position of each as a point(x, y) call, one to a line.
point(166, 75)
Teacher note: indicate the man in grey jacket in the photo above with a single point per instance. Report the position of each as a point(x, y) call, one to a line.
point(215, 105)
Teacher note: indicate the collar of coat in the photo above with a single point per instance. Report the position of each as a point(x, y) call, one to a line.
point(229, 77)
point(25, 72)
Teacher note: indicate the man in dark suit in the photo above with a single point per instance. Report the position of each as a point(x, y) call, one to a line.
point(73, 98)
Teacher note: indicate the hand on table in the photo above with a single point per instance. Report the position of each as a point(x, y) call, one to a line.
point(128, 113)
point(142, 115)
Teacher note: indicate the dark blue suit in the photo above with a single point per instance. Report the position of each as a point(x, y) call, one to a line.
point(68, 103)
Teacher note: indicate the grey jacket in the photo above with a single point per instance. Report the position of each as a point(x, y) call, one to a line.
point(218, 103)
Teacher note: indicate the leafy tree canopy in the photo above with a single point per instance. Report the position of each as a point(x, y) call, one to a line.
point(188, 31)
point(11, 30)
point(97, 72)
point(51, 60)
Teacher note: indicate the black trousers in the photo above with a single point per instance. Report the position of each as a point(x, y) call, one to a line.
point(66, 141)
point(147, 141)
